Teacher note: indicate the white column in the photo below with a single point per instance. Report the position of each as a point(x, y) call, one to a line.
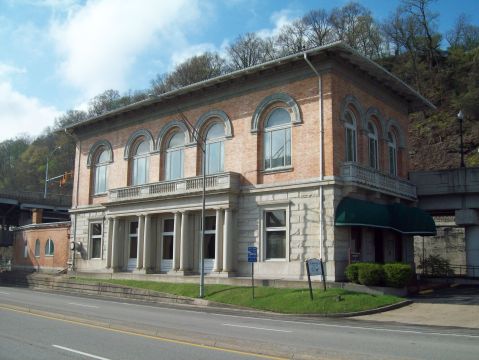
point(184, 241)
point(109, 246)
point(176, 240)
point(147, 243)
point(114, 244)
point(227, 238)
point(218, 241)
point(140, 238)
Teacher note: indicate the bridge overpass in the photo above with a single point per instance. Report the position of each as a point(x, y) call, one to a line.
point(453, 192)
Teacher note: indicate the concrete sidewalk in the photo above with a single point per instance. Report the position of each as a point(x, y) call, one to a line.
point(456, 307)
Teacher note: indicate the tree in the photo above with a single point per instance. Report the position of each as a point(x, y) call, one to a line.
point(320, 30)
point(464, 34)
point(293, 38)
point(249, 50)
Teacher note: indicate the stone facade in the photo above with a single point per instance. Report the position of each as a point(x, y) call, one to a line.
point(154, 227)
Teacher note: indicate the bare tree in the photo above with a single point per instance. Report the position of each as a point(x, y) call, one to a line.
point(464, 34)
point(320, 30)
point(249, 50)
point(293, 38)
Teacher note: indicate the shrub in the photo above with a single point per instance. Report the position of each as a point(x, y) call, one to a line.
point(352, 272)
point(435, 265)
point(370, 274)
point(397, 275)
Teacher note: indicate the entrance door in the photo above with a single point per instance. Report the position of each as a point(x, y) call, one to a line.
point(167, 244)
point(209, 243)
point(132, 246)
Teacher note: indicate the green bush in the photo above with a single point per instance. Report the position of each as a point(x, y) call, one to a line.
point(370, 274)
point(435, 265)
point(397, 275)
point(352, 272)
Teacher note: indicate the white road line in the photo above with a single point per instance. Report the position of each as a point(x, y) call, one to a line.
point(4, 293)
point(80, 352)
point(256, 328)
point(83, 305)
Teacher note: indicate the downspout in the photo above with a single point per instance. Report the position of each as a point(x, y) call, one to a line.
point(321, 136)
point(77, 173)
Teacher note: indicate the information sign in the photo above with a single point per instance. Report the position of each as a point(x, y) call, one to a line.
point(252, 254)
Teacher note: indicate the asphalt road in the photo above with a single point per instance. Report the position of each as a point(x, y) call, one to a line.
point(246, 332)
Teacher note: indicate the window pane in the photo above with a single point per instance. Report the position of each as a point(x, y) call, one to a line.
point(215, 131)
point(103, 156)
point(373, 154)
point(96, 248)
point(37, 247)
point(134, 227)
point(49, 247)
point(168, 225)
point(168, 247)
point(276, 218)
point(96, 229)
point(143, 148)
point(287, 160)
point(267, 150)
point(133, 247)
point(178, 139)
point(210, 223)
point(100, 179)
point(214, 157)
point(174, 164)
point(277, 117)
point(276, 244)
point(277, 148)
point(209, 246)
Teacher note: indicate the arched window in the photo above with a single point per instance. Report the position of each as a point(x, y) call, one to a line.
point(215, 148)
point(25, 248)
point(99, 168)
point(277, 139)
point(139, 162)
point(37, 248)
point(350, 125)
point(174, 156)
point(392, 147)
point(373, 146)
point(49, 248)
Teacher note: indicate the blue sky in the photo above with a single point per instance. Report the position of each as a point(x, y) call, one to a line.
point(55, 55)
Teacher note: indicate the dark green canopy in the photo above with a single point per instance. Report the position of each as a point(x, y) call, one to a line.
point(398, 217)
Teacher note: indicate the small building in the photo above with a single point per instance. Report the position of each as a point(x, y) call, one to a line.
point(304, 157)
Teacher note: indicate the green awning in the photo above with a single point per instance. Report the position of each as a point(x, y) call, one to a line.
point(398, 217)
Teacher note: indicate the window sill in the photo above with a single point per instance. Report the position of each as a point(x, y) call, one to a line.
point(48, 255)
point(278, 170)
point(99, 195)
point(276, 260)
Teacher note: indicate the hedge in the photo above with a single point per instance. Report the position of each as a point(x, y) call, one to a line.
point(393, 274)
point(397, 275)
point(371, 274)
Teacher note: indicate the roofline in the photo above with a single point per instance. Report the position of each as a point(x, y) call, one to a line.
point(252, 69)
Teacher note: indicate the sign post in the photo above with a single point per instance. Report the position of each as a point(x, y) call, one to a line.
point(252, 258)
point(314, 267)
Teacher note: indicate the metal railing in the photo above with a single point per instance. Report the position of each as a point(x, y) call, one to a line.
point(464, 271)
point(372, 178)
point(179, 186)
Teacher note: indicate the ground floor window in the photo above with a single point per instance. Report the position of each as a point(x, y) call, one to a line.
point(275, 234)
point(49, 248)
point(95, 240)
point(210, 237)
point(168, 235)
point(133, 239)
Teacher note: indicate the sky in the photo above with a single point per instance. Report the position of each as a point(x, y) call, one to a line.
point(55, 55)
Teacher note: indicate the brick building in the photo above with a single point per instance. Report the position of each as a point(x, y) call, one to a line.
point(305, 156)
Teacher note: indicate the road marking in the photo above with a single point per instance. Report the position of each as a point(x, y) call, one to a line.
point(4, 293)
point(133, 333)
point(256, 328)
point(83, 305)
point(80, 352)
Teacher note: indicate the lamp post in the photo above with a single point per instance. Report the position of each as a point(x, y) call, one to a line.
point(202, 144)
point(46, 171)
point(460, 117)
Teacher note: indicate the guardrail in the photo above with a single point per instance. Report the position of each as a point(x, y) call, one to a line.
point(221, 181)
point(463, 271)
point(372, 178)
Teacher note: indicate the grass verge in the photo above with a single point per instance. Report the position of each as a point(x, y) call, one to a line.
point(288, 301)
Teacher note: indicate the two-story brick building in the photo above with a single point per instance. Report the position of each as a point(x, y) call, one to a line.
point(305, 156)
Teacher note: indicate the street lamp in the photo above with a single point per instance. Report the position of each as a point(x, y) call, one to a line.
point(46, 171)
point(202, 144)
point(460, 117)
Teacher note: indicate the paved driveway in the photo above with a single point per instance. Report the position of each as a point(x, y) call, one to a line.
point(458, 306)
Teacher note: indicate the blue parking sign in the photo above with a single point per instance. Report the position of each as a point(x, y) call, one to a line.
point(252, 254)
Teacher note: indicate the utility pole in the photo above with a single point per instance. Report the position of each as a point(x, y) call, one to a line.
point(460, 117)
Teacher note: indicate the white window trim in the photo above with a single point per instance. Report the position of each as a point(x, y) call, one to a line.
point(48, 242)
point(392, 145)
point(262, 250)
point(90, 239)
point(267, 131)
point(375, 139)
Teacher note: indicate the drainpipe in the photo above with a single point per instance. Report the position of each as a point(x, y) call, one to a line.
point(77, 145)
point(321, 136)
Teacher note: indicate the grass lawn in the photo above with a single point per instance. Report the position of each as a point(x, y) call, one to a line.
point(289, 301)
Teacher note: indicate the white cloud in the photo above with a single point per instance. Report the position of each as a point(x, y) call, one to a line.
point(21, 114)
point(100, 42)
point(182, 54)
point(6, 70)
point(278, 19)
